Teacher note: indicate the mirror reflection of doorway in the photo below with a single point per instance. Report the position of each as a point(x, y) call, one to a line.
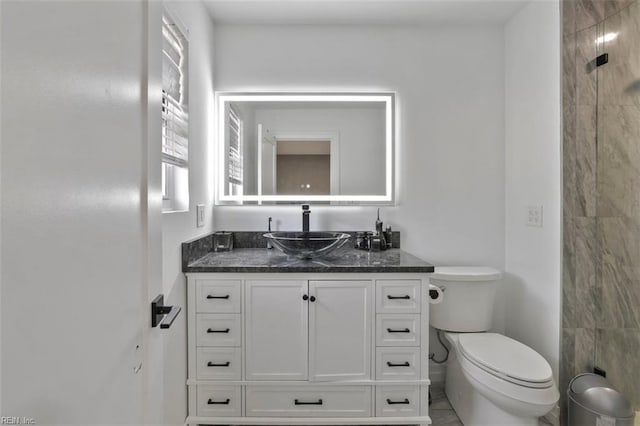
point(303, 167)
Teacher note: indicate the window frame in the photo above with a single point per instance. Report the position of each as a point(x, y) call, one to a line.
point(237, 187)
point(175, 169)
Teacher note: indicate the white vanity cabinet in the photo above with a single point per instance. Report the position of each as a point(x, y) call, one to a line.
point(340, 322)
point(307, 348)
point(277, 322)
point(308, 330)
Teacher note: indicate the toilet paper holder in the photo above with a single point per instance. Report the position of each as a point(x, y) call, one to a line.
point(436, 293)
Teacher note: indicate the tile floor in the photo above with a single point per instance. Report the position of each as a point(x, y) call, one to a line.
point(442, 413)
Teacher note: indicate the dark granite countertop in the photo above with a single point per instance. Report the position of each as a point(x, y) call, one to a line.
point(343, 260)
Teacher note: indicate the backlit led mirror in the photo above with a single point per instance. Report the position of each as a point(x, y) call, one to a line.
point(283, 148)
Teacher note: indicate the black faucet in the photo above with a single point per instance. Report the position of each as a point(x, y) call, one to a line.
point(305, 217)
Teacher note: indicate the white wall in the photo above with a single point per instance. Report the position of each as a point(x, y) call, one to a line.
point(533, 177)
point(179, 227)
point(450, 94)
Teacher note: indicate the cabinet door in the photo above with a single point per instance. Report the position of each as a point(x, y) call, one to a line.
point(340, 330)
point(277, 318)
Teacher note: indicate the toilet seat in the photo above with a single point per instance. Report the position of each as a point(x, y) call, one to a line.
point(508, 394)
point(506, 359)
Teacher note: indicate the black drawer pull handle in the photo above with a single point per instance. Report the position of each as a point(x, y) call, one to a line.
point(402, 364)
point(298, 402)
point(211, 330)
point(217, 297)
point(225, 402)
point(400, 330)
point(213, 364)
point(405, 297)
point(390, 402)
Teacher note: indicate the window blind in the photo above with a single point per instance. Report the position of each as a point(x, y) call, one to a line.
point(235, 148)
point(175, 116)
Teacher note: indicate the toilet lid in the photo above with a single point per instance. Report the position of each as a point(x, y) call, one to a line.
point(506, 358)
point(465, 273)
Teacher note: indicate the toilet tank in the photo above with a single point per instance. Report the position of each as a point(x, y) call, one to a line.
point(468, 296)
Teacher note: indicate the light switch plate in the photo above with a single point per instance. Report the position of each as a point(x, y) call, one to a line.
point(534, 216)
point(200, 215)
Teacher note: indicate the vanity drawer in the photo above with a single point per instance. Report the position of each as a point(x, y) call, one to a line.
point(397, 401)
point(218, 296)
point(220, 401)
point(218, 330)
point(397, 296)
point(219, 363)
point(398, 363)
point(308, 401)
point(397, 330)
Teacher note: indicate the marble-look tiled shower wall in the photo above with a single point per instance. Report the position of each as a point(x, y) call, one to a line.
point(601, 172)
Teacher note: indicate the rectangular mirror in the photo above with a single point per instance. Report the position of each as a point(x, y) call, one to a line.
point(284, 148)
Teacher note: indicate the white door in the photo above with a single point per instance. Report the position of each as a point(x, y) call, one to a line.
point(276, 330)
point(75, 194)
point(340, 330)
point(267, 162)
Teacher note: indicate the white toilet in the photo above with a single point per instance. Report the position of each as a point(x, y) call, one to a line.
point(491, 379)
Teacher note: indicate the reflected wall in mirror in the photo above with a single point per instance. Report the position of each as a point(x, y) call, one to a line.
point(302, 167)
point(312, 148)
